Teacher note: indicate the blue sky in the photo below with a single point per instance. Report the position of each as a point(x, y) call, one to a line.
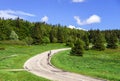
point(86, 14)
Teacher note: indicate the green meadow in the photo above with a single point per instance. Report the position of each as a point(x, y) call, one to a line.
point(98, 64)
point(14, 57)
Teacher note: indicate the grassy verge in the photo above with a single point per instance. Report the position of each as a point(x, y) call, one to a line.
point(14, 56)
point(100, 64)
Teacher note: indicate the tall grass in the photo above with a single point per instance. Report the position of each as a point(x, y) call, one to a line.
point(102, 64)
point(14, 56)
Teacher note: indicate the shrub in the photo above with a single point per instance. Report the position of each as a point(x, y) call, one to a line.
point(46, 40)
point(13, 36)
point(28, 40)
point(54, 40)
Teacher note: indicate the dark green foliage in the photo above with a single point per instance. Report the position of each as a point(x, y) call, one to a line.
point(70, 42)
point(78, 48)
point(86, 40)
point(53, 35)
point(112, 42)
point(98, 41)
point(37, 34)
point(60, 34)
point(5, 29)
point(38, 31)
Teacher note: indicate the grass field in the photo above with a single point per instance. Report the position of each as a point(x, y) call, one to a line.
point(100, 64)
point(14, 56)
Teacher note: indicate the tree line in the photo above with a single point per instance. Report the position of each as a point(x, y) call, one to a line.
point(42, 33)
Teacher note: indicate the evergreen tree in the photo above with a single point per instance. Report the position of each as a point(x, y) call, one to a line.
point(78, 48)
point(70, 42)
point(60, 34)
point(99, 40)
point(53, 35)
point(112, 42)
point(36, 34)
point(86, 40)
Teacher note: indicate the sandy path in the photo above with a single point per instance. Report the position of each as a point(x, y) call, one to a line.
point(40, 66)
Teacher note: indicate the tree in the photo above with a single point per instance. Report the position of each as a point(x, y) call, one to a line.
point(60, 34)
point(112, 42)
point(86, 40)
point(78, 48)
point(46, 40)
point(36, 34)
point(70, 42)
point(53, 35)
point(99, 40)
point(13, 36)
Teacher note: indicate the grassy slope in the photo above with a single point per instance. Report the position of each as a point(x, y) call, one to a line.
point(103, 64)
point(14, 56)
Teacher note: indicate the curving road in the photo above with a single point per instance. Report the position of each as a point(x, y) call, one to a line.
point(40, 66)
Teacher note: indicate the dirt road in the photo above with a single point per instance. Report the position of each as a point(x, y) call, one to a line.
point(40, 66)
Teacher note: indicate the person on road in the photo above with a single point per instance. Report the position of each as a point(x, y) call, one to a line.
point(49, 56)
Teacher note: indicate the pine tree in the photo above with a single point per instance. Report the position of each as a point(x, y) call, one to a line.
point(78, 48)
point(112, 42)
point(70, 42)
point(86, 40)
point(53, 35)
point(60, 34)
point(36, 34)
point(99, 40)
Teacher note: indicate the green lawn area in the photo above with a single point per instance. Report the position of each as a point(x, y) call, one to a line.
point(14, 56)
point(100, 64)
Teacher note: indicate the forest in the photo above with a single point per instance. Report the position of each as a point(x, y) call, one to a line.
point(20, 31)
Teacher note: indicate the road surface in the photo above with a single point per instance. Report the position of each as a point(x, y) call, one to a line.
point(40, 65)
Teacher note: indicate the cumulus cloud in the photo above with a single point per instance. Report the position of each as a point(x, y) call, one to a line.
point(13, 14)
point(78, 1)
point(44, 19)
point(92, 19)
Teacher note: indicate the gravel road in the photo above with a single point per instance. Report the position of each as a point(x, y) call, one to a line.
point(40, 65)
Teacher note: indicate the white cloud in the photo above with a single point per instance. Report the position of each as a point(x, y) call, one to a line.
point(73, 27)
point(44, 19)
point(13, 14)
point(92, 19)
point(78, 1)
point(78, 20)
point(24, 13)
